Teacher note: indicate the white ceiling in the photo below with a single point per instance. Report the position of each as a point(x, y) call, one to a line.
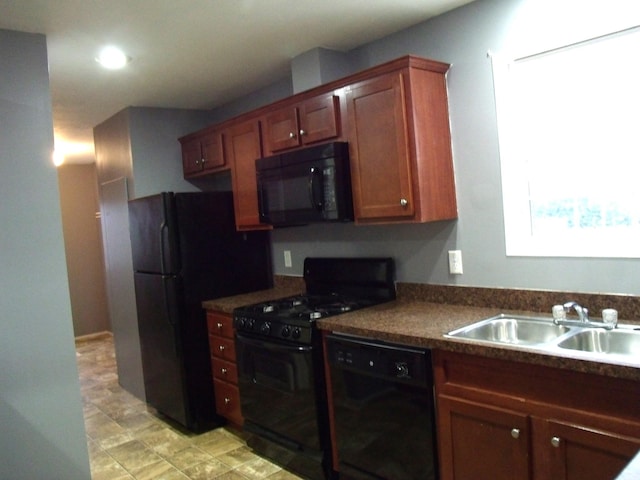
point(190, 53)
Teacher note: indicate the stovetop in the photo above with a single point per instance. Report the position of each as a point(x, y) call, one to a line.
point(334, 286)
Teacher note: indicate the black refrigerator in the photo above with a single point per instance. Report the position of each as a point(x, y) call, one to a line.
point(185, 250)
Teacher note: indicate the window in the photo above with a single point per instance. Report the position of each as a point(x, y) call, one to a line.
point(569, 128)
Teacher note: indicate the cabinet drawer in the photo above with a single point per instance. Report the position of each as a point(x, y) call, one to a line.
point(224, 370)
point(228, 401)
point(224, 348)
point(220, 324)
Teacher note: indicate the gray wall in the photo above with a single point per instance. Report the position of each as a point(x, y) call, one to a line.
point(463, 37)
point(42, 433)
point(155, 149)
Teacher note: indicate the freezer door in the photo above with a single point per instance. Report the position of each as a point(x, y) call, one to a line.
point(162, 363)
point(152, 228)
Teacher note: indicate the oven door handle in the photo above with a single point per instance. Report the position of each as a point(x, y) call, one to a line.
point(272, 345)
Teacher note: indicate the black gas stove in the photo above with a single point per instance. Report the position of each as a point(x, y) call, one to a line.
point(280, 363)
point(333, 286)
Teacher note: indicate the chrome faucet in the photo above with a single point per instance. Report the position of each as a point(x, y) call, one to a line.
point(560, 317)
point(583, 312)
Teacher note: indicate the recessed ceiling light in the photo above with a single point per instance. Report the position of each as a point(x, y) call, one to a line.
point(112, 58)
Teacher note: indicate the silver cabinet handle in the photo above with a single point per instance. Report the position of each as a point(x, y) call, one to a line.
point(292, 135)
point(227, 400)
point(223, 370)
point(302, 132)
point(515, 432)
point(219, 325)
point(403, 202)
point(555, 441)
point(221, 348)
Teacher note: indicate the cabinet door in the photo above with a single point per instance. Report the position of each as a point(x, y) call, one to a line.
point(228, 401)
point(242, 147)
point(212, 151)
point(482, 442)
point(319, 119)
point(224, 348)
point(224, 370)
point(220, 324)
point(380, 152)
point(191, 157)
point(580, 453)
point(281, 130)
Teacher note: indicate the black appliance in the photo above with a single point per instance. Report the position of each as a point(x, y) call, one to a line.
point(305, 186)
point(383, 409)
point(186, 250)
point(280, 363)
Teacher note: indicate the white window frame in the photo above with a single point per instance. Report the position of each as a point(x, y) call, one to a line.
point(523, 236)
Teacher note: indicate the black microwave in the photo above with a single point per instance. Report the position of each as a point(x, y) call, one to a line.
point(305, 186)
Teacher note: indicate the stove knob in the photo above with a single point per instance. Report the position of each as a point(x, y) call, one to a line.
point(241, 322)
point(296, 333)
point(251, 323)
point(265, 328)
point(286, 331)
point(402, 370)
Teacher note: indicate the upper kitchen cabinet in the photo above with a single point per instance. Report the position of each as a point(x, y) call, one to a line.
point(203, 153)
point(242, 148)
point(400, 144)
point(313, 120)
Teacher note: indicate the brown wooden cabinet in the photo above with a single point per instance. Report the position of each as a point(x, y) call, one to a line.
point(475, 433)
point(395, 118)
point(242, 147)
point(314, 120)
point(400, 145)
point(203, 154)
point(504, 420)
point(223, 366)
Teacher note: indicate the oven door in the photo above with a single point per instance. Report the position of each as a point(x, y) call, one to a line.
point(278, 392)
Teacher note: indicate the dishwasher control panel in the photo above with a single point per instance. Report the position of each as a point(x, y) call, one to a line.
point(380, 359)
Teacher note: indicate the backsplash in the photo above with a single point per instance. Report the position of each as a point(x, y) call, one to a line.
point(628, 306)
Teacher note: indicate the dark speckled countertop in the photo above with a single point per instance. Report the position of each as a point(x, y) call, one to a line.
point(423, 314)
point(424, 324)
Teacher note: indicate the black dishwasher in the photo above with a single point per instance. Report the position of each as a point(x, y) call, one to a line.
point(383, 409)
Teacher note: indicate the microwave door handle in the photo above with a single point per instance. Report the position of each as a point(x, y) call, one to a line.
point(316, 188)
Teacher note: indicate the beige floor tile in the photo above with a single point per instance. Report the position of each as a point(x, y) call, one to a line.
point(257, 469)
point(161, 470)
point(206, 470)
point(235, 458)
point(133, 455)
point(104, 467)
point(188, 457)
point(129, 440)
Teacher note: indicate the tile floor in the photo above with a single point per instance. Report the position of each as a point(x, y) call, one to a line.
point(128, 440)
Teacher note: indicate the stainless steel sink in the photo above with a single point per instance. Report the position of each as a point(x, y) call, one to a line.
point(512, 330)
point(619, 342)
point(622, 343)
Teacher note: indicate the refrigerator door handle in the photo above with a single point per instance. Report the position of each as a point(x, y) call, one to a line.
point(163, 229)
point(168, 293)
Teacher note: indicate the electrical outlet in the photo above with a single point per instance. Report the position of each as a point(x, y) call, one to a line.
point(455, 262)
point(287, 259)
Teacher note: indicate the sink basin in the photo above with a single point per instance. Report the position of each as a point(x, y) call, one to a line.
point(620, 342)
point(512, 330)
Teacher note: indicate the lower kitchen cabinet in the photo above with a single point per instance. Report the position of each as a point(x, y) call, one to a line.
point(223, 366)
point(482, 442)
point(579, 452)
point(505, 420)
